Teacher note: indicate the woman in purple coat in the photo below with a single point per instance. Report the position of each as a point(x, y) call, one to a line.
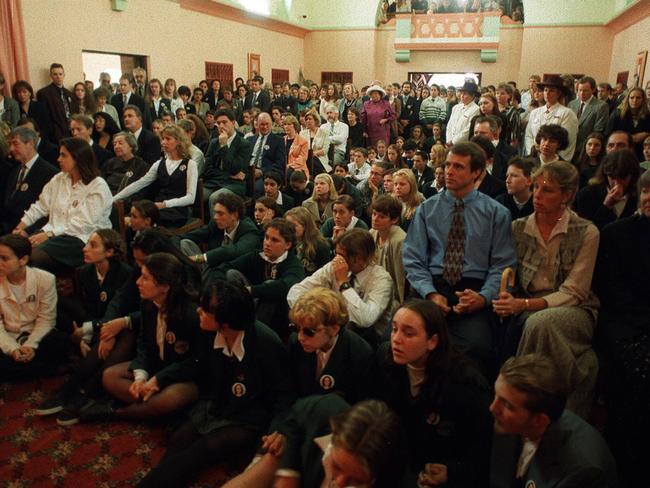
point(376, 116)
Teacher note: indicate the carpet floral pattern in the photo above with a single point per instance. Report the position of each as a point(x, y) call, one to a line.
point(36, 452)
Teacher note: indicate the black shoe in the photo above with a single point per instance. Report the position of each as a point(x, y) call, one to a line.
point(72, 411)
point(97, 411)
point(52, 405)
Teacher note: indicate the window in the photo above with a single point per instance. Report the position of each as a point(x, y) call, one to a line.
point(219, 71)
point(279, 75)
point(444, 79)
point(341, 77)
point(96, 62)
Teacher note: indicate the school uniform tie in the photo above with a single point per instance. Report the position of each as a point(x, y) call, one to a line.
point(452, 264)
point(226, 240)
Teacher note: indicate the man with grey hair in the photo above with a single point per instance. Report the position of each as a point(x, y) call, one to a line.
point(105, 80)
point(25, 181)
point(338, 136)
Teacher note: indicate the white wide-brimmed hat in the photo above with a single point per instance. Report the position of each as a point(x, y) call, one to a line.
point(376, 88)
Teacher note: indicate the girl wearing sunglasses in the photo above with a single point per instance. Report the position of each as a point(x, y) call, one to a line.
point(325, 357)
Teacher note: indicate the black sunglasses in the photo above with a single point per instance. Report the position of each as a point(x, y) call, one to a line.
point(308, 331)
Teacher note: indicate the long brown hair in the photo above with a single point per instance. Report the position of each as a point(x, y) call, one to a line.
point(83, 156)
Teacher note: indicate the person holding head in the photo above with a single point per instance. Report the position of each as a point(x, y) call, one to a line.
point(462, 114)
point(319, 144)
point(550, 141)
point(324, 356)
point(612, 193)
point(228, 235)
point(246, 388)
point(343, 219)
point(268, 275)
point(57, 101)
point(172, 179)
point(273, 182)
point(365, 286)
point(553, 112)
point(312, 249)
point(519, 182)
point(406, 191)
point(30, 344)
point(296, 146)
point(633, 117)
point(537, 441)
point(146, 386)
point(449, 267)
point(226, 159)
point(320, 203)
point(553, 307)
point(389, 239)
point(126, 167)
point(76, 201)
point(591, 156)
point(148, 144)
point(439, 395)
point(9, 110)
point(125, 97)
point(377, 115)
point(81, 127)
point(25, 180)
point(266, 209)
point(621, 282)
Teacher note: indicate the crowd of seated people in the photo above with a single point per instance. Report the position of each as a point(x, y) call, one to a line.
point(454, 279)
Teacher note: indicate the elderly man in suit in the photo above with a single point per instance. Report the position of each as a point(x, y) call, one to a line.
point(537, 442)
point(58, 102)
point(592, 113)
point(148, 143)
point(25, 181)
point(268, 151)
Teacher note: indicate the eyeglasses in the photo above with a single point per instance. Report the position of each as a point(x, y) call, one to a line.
point(308, 331)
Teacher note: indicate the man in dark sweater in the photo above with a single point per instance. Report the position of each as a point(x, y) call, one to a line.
point(519, 183)
point(269, 274)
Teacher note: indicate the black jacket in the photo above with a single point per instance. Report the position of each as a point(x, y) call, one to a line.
point(148, 146)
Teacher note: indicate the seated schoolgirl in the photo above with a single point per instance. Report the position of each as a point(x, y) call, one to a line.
point(325, 357)
point(242, 369)
point(30, 344)
point(167, 335)
point(442, 400)
point(328, 443)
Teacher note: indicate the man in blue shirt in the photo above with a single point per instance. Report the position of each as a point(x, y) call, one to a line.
point(458, 244)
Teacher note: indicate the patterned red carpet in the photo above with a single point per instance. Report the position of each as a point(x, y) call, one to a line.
point(36, 452)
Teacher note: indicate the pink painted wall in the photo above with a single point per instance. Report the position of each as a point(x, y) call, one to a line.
point(626, 45)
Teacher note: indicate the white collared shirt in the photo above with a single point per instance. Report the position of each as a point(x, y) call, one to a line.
point(337, 135)
point(322, 357)
point(459, 122)
point(137, 133)
point(29, 164)
point(237, 348)
point(555, 114)
point(283, 257)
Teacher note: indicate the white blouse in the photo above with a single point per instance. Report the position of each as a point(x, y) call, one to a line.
point(31, 314)
point(75, 210)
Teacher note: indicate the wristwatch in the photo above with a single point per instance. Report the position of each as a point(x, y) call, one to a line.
point(345, 286)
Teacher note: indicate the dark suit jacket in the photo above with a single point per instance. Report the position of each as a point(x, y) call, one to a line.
point(589, 205)
point(148, 146)
point(504, 152)
point(15, 203)
point(516, 212)
point(101, 155)
point(48, 151)
point(118, 103)
point(274, 157)
point(263, 101)
point(57, 121)
point(150, 113)
point(286, 104)
point(427, 177)
point(38, 112)
point(571, 454)
point(222, 163)
point(492, 186)
point(594, 118)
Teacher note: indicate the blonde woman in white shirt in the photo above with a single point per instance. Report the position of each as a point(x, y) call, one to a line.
point(172, 179)
point(29, 343)
point(76, 202)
